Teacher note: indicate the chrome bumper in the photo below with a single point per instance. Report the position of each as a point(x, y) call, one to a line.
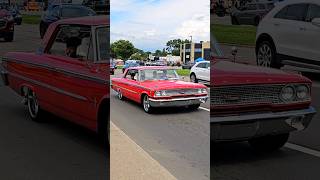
point(244, 127)
point(177, 101)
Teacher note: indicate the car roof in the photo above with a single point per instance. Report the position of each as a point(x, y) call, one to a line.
point(87, 20)
point(150, 67)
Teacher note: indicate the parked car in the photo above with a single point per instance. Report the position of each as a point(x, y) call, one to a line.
point(113, 67)
point(290, 35)
point(65, 77)
point(6, 25)
point(130, 63)
point(187, 65)
point(251, 13)
point(99, 6)
point(256, 104)
point(16, 15)
point(56, 12)
point(200, 72)
point(158, 86)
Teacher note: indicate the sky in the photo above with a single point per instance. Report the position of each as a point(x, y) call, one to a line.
point(149, 24)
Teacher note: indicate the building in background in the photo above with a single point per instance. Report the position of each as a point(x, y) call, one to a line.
point(189, 52)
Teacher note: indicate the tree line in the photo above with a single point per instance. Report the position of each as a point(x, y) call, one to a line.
point(124, 49)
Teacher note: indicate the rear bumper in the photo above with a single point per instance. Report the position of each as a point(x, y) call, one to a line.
point(244, 127)
point(177, 101)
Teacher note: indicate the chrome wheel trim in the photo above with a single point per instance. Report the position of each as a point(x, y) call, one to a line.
point(120, 96)
point(264, 55)
point(33, 105)
point(146, 103)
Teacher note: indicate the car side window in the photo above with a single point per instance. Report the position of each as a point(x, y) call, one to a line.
point(132, 75)
point(74, 42)
point(313, 12)
point(295, 12)
point(201, 65)
point(252, 7)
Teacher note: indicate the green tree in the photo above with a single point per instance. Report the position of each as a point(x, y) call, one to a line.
point(173, 46)
point(122, 49)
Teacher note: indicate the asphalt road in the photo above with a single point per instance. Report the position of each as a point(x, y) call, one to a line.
point(237, 161)
point(54, 149)
point(177, 138)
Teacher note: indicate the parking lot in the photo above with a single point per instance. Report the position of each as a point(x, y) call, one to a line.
point(54, 149)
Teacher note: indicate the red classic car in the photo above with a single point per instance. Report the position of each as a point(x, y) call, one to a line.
point(68, 76)
point(6, 25)
point(257, 104)
point(158, 86)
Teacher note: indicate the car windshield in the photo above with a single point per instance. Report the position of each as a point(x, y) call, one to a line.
point(158, 74)
point(103, 43)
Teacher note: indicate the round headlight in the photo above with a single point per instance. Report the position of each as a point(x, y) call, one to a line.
point(204, 90)
point(302, 92)
point(287, 93)
point(199, 91)
point(157, 93)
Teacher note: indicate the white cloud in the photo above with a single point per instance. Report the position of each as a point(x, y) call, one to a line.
point(150, 24)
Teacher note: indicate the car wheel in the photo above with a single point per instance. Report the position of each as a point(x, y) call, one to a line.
point(269, 143)
point(120, 95)
point(34, 109)
point(193, 78)
point(194, 107)
point(146, 104)
point(266, 55)
point(234, 21)
point(9, 37)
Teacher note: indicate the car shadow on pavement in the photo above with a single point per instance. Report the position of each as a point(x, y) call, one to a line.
point(162, 111)
point(233, 153)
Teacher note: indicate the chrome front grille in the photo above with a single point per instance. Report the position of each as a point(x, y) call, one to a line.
point(179, 92)
point(245, 95)
point(3, 23)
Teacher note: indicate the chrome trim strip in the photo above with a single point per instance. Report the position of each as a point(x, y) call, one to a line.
point(257, 116)
point(178, 99)
point(125, 89)
point(74, 74)
point(49, 87)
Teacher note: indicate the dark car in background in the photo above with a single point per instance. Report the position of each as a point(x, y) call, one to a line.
point(251, 13)
point(14, 11)
point(6, 25)
point(62, 11)
point(99, 6)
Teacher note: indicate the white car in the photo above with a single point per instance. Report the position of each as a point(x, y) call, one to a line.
point(290, 35)
point(200, 72)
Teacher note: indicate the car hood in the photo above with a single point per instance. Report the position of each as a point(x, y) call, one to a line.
point(226, 73)
point(170, 84)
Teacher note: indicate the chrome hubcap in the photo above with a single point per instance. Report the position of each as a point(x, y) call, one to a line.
point(146, 103)
point(264, 56)
point(33, 105)
point(119, 94)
